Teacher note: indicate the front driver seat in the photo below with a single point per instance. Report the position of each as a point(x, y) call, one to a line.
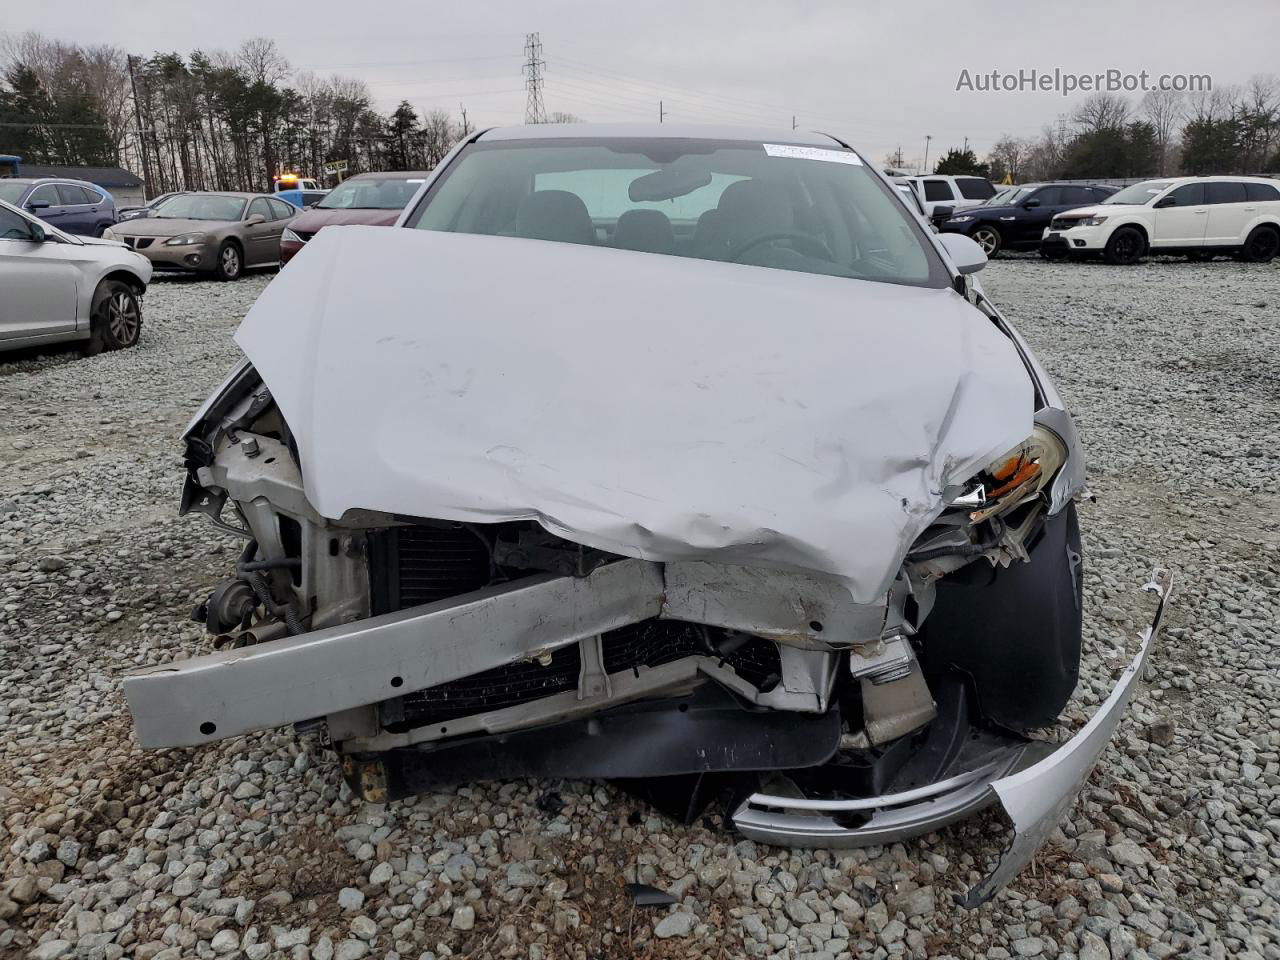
point(555, 215)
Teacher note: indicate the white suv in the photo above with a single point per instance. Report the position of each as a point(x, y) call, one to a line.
point(958, 193)
point(1198, 216)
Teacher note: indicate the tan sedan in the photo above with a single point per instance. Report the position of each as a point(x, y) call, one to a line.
point(219, 233)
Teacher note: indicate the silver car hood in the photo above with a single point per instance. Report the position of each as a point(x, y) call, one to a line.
point(653, 406)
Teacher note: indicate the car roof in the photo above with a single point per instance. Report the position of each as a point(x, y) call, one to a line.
point(35, 181)
point(238, 194)
point(656, 131)
point(1218, 177)
point(390, 175)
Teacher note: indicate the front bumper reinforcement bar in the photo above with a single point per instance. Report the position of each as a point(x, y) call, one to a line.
point(338, 668)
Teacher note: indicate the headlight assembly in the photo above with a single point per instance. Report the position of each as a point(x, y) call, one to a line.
point(959, 219)
point(290, 237)
point(186, 240)
point(1092, 222)
point(1013, 478)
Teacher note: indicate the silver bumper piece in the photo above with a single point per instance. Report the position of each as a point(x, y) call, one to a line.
point(340, 668)
point(1035, 793)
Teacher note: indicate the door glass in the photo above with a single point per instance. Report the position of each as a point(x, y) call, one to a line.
point(1188, 195)
point(47, 192)
point(1048, 196)
point(1077, 195)
point(260, 206)
point(282, 210)
point(1225, 192)
point(937, 190)
point(13, 227)
point(71, 195)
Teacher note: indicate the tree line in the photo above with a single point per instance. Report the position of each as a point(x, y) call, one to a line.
point(204, 121)
point(1231, 130)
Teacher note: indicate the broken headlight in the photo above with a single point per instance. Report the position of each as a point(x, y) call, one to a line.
point(1011, 479)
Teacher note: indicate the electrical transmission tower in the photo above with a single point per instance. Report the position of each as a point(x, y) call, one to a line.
point(535, 111)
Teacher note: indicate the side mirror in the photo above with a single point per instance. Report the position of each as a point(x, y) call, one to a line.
point(964, 253)
point(38, 204)
point(38, 234)
point(1031, 204)
point(1166, 202)
point(255, 219)
point(942, 213)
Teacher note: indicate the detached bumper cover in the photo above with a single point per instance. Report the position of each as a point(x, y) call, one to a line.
point(1035, 790)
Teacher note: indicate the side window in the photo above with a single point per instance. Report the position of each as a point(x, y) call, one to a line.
point(1077, 195)
point(260, 206)
point(937, 190)
point(13, 227)
point(1225, 192)
point(1048, 196)
point(1098, 194)
point(281, 209)
point(1261, 192)
point(70, 195)
point(975, 188)
point(47, 192)
point(1188, 195)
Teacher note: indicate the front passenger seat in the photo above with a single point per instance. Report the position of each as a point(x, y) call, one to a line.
point(555, 215)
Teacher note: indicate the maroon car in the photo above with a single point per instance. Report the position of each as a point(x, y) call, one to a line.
point(369, 198)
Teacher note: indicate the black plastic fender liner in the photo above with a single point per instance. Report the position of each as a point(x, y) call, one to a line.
point(1014, 631)
point(709, 730)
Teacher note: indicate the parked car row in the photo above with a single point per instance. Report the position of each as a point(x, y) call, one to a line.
point(1201, 217)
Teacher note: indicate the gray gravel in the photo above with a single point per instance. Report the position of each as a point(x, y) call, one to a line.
point(253, 848)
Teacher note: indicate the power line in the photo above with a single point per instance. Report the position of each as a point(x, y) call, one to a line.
point(535, 110)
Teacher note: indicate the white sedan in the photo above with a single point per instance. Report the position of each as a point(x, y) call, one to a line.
point(61, 288)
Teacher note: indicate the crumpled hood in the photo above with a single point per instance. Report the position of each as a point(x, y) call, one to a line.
point(653, 406)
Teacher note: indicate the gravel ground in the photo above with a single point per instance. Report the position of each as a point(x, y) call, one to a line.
point(253, 847)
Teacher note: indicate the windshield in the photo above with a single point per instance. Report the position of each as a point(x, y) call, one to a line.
point(1143, 192)
point(808, 209)
point(201, 206)
point(11, 191)
point(1009, 197)
point(380, 193)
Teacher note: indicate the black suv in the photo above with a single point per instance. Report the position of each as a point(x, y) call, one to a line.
point(1015, 218)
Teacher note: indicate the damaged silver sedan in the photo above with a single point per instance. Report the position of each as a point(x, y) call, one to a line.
point(681, 457)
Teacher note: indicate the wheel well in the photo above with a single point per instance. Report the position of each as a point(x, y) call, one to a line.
point(235, 242)
point(124, 276)
point(1146, 239)
point(1267, 225)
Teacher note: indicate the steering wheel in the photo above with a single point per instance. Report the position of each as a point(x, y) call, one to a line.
point(817, 247)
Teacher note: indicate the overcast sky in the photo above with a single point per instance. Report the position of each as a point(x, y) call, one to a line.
point(879, 76)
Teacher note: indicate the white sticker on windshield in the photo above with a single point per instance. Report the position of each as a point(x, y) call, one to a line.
point(812, 153)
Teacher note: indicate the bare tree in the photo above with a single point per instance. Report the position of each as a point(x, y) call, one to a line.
point(1008, 156)
point(438, 136)
point(262, 60)
point(1044, 159)
point(1102, 111)
point(1163, 110)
